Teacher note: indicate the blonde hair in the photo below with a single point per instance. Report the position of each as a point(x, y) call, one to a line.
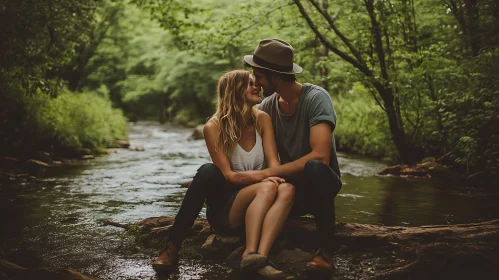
point(231, 107)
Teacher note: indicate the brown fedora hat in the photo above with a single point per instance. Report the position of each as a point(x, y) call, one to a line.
point(275, 55)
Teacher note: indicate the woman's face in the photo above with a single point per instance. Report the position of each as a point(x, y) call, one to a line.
point(252, 93)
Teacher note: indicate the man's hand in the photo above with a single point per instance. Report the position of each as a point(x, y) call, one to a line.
point(276, 180)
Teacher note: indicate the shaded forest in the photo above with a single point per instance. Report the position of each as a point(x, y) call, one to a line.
point(409, 79)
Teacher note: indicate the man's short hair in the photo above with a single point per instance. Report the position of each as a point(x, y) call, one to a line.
point(270, 73)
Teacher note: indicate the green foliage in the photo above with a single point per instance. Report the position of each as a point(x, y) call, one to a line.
point(67, 125)
point(409, 79)
point(44, 47)
point(149, 76)
point(361, 127)
point(469, 108)
point(423, 65)
point(41, 37)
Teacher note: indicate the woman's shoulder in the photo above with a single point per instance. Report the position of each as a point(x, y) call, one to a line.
point(263, 120)
point(261, 115)
point(211, 126)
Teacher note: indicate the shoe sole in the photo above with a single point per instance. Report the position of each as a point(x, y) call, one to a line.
point(254, 266)
point(162, 267)
point(280, 276)
point(318, 269)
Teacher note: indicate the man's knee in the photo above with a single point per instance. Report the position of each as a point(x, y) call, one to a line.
point(209, 171)
point(315, 167)
point(322, 176)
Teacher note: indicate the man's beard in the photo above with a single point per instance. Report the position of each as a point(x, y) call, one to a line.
point(268, 91)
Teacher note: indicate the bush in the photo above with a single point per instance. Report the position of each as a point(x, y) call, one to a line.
point(362, 126)
point(67, 125)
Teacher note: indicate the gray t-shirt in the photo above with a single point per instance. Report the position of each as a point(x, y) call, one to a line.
point(292, 132)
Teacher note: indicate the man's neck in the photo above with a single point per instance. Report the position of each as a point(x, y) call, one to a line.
point(289, 92)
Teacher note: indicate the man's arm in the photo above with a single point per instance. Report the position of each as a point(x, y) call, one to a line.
point(320, 143)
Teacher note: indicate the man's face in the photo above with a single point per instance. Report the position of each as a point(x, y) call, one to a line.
point(261, 80)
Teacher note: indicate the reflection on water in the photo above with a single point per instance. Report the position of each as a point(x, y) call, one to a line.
point(410, 202)
point(55, 222)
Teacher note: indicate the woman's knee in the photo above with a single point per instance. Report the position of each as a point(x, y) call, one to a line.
point(286, 192)
point(267, 190)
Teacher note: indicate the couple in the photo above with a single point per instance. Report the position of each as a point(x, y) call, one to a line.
point(268, 163)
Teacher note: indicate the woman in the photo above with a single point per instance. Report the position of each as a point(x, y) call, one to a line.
point(239, 138)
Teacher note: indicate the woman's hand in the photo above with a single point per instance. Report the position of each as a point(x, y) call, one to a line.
point(276, 180)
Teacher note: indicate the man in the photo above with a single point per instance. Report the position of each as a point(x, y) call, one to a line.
point(303, 120)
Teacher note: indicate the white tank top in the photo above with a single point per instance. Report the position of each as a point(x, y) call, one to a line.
point(240, 160)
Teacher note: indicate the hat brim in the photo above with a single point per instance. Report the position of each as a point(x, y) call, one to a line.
point(249, 59)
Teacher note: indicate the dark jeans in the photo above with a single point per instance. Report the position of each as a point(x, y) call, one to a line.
point(208, 185)
point(316, 187)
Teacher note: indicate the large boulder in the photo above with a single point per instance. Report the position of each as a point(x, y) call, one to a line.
point(35, 167)
point(197, 134)
point(121, 144)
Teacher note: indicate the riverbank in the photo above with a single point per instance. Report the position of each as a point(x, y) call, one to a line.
point(466, 251)
point(56, 221)
point(13, 169)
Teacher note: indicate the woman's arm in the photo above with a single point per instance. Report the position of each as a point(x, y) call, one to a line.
point(267, 133)
point(211, 131)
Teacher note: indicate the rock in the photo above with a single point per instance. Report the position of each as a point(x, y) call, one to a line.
point(343, 249)
point(6, 176)
point(236, 255)
point(465, 251)
point(10, 271)
point(139, 148)
point(87, 157)
point(198, 133)
point(220, 243)
point(10, 163)
point(428, 168)
point(121, 144)
point(44, 156)
point(35, 167)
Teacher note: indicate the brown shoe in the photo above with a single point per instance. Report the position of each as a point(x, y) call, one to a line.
point(168, 258)
point(321, 262)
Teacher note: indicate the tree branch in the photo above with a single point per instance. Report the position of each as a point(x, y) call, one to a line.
point(343, 38)
point(256, 22)
point(378, 43)
point(362, 67)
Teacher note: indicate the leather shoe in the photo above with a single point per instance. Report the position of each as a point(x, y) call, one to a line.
point(321, 262)
point(168, 258)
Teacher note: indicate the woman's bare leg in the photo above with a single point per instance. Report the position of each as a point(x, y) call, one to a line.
point(276, 217)
point(250, 206)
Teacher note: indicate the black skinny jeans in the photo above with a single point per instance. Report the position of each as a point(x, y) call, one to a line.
point(208, 185)
point(316, 187)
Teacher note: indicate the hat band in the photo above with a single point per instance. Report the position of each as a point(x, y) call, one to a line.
point(271, 65)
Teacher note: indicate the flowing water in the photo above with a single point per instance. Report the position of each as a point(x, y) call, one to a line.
point(55, 222)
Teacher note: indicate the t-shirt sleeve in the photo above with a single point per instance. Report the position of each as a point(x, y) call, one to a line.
point(266, 104)
point(321, 109)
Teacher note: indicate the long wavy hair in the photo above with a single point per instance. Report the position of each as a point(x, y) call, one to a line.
point(231, 107)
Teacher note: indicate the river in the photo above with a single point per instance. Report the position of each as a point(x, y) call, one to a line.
point(54, 222)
